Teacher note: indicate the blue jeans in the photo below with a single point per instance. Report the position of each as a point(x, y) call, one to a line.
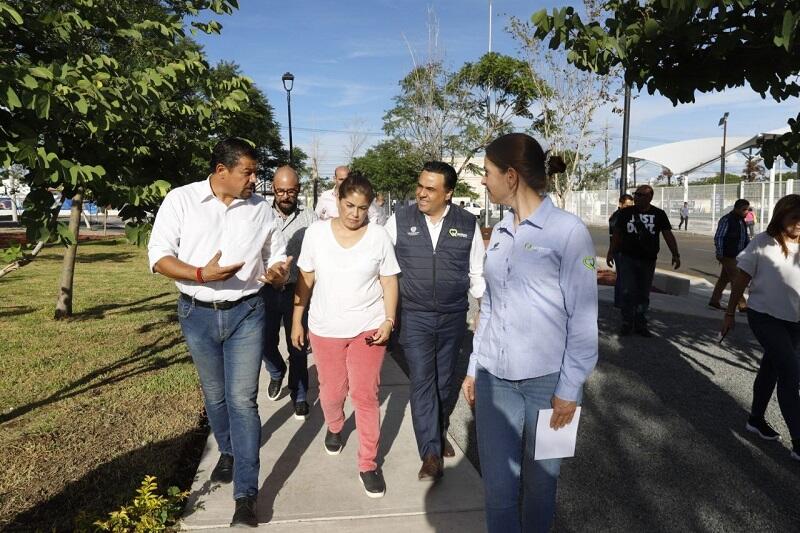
point(780, 365)
point(431, 343)
point(226, 349)
point(520, 492)
point(279, 307)
point(636, 279)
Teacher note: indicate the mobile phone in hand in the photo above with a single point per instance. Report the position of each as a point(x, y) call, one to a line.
point(369, 340)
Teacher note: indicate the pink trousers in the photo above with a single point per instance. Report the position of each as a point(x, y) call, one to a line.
point(351, 365)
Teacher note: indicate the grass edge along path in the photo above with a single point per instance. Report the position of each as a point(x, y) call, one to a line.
point(90, 405)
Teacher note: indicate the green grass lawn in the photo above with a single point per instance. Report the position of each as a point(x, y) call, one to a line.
point(90, 405)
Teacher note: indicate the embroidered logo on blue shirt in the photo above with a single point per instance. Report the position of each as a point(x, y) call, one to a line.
point(589, 262)
point(528, 246)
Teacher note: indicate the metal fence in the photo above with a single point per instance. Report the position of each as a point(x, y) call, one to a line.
point(707, 203)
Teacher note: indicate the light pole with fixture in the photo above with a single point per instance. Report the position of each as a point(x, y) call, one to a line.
point(288, 83)
point(724, 123)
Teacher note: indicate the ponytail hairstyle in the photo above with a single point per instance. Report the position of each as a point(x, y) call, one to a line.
point(522, 153)
point(786, 210)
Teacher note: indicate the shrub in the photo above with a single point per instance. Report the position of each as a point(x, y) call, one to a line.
point(149, 511)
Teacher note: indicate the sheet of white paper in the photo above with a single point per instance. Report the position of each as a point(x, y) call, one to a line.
point(552, 444)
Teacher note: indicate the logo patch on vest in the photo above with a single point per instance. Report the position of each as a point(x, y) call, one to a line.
point(413, 232)
point(454, 233)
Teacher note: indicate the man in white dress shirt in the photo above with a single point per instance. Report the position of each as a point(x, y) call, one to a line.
point(440, 251)
point(218, 241)
point(328, 202)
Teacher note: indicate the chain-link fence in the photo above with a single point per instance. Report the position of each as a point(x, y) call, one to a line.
point(706, 203)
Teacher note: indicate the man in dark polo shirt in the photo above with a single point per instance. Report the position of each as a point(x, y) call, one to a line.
point(440, 251)
point(636, 239)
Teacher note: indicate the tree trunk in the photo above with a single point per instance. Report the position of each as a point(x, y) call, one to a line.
point(64, 301)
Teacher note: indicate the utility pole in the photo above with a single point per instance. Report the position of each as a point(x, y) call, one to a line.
point(488, 117)
point(724, 123)
point(626, 125)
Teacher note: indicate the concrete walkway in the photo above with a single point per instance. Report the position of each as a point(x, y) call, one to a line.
point(304, 489)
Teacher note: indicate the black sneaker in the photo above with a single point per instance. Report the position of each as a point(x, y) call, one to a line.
point(795, 450)
point(274, 389)
point(223, 472)
point(300, 410)
point(333, 443)
point(625, 330)
point(373, 483)
point(644, 332)
point(762, 429)
point(245, 514)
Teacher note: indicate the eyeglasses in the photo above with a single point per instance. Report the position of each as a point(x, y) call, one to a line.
point(286, 192)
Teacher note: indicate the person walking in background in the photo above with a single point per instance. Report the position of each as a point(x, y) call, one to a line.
point(198, 228)
point(292, 220)
point(730, 239)
point(536, 341)
point(684, 217)
point(440, 250)
point(750, 222)
point(636, 240)
point(380, 209)
point(349, 272)
point(626, 200)
point(769, 265)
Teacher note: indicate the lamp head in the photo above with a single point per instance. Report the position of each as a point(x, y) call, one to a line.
point(288, 81)
point(724, 119)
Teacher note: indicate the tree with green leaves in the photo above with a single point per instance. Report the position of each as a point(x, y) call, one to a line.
point(568, 102)
point(109, 101)
point(448, 116)
point(678, 48)
point(392, 166)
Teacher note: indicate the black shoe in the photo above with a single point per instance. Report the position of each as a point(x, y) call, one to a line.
point(300, 410)
point(644, 332)
point(795, 450)
point(333, 443)
point(245, 514)
point(373, 483)
point(274, 389)
point(762, 429)
point(223, 472)
point(625, 330)
point(716, 305)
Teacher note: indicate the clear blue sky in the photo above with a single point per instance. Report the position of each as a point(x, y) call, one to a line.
point(348, 55)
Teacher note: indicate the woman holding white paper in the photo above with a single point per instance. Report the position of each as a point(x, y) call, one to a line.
point(536, 341)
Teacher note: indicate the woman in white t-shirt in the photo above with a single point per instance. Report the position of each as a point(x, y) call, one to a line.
point(351, 268)
point(771, 266)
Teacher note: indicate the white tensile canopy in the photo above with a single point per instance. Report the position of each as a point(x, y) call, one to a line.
point(683, 157)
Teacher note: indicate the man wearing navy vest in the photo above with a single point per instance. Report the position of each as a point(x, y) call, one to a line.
point(440, 250)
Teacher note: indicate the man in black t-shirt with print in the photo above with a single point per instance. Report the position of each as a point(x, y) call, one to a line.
point(636, 239)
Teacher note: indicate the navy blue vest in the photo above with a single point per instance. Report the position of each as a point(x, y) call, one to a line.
point(434, 280)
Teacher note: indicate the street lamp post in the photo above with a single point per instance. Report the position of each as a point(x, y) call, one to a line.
point(724, 123)
point(288, 83)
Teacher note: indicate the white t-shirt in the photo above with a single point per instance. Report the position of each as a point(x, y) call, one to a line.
point(775, 288)
point(348, 297)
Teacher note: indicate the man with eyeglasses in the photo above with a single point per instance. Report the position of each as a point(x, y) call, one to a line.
point(636, 239)
point(292, 219)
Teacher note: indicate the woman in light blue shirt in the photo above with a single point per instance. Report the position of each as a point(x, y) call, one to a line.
point(536, 341)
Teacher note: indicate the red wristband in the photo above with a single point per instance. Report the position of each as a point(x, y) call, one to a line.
point(199, 275)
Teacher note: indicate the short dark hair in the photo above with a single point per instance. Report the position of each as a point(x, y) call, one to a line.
point(440, 167)
point(228, 152)
point(625, 198)
point(740, 203)
point(356, 182)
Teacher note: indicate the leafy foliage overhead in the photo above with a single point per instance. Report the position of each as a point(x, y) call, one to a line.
point(679, 47)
